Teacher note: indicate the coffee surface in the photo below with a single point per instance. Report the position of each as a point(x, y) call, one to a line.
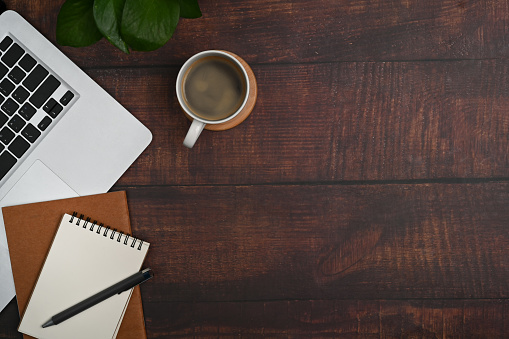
point(214, 88)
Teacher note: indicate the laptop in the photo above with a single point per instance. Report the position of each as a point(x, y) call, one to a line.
point(61, 134)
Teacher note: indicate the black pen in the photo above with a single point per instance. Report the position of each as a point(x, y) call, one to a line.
point(124, 285)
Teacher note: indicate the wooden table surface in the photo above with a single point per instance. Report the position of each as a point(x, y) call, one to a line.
point(367, 194)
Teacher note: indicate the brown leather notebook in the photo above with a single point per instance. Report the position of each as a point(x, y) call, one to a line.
point(30, 230)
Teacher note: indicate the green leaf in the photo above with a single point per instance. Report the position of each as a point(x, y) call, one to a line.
point(149, 24)
point(189, 9)
point(108, 15)
point(75, 24)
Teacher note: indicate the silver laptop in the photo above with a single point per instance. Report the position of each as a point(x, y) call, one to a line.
point(61, 135)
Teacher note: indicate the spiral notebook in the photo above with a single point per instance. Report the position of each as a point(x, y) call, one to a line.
point(85, 257)
point(31, 228)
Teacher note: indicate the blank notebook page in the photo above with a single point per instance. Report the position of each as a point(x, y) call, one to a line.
point(80, 263)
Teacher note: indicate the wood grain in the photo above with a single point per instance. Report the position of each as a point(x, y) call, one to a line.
point(228, 243)
point(9, 321)
point(268, 31)
point(330, 319)
point(322, 318)
point(330, 122)
point(461, 318)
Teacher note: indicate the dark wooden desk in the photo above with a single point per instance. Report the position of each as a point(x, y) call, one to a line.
point(366, 196)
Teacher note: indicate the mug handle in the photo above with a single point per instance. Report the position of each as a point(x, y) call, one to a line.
point(193, 133)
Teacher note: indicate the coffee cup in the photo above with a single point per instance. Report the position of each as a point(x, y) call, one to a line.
point(212, 88)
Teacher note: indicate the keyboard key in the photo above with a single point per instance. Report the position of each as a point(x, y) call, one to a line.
point(27, 111)
point(12, 55)
point(44, 91)
point(16, 123)
point(44, 123)
point(2, 147)
point(6, 87)
point(35, 78)
point(17, 74)
point(10, 106)
point(3, 119)
point(49, 105)
point(30, 133)
point(55, 111)
point(27, 62)
point(7, 161)
point(19, 146)
point(20, 94)
point(6, 135)
point(3, 70)
point(66, 98)
point(6, 42)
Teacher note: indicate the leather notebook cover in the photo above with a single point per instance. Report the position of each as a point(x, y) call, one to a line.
point(30, 230)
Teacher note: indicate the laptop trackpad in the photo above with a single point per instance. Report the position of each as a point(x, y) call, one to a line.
point(39, 183)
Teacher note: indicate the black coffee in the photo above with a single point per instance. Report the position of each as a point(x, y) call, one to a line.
point(214, 88)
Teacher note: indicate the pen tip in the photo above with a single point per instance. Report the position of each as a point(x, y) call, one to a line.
point(48, 323)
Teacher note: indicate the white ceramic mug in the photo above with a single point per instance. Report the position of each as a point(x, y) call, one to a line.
point(199, 123)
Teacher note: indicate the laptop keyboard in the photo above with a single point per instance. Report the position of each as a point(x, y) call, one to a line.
point(31, 98)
